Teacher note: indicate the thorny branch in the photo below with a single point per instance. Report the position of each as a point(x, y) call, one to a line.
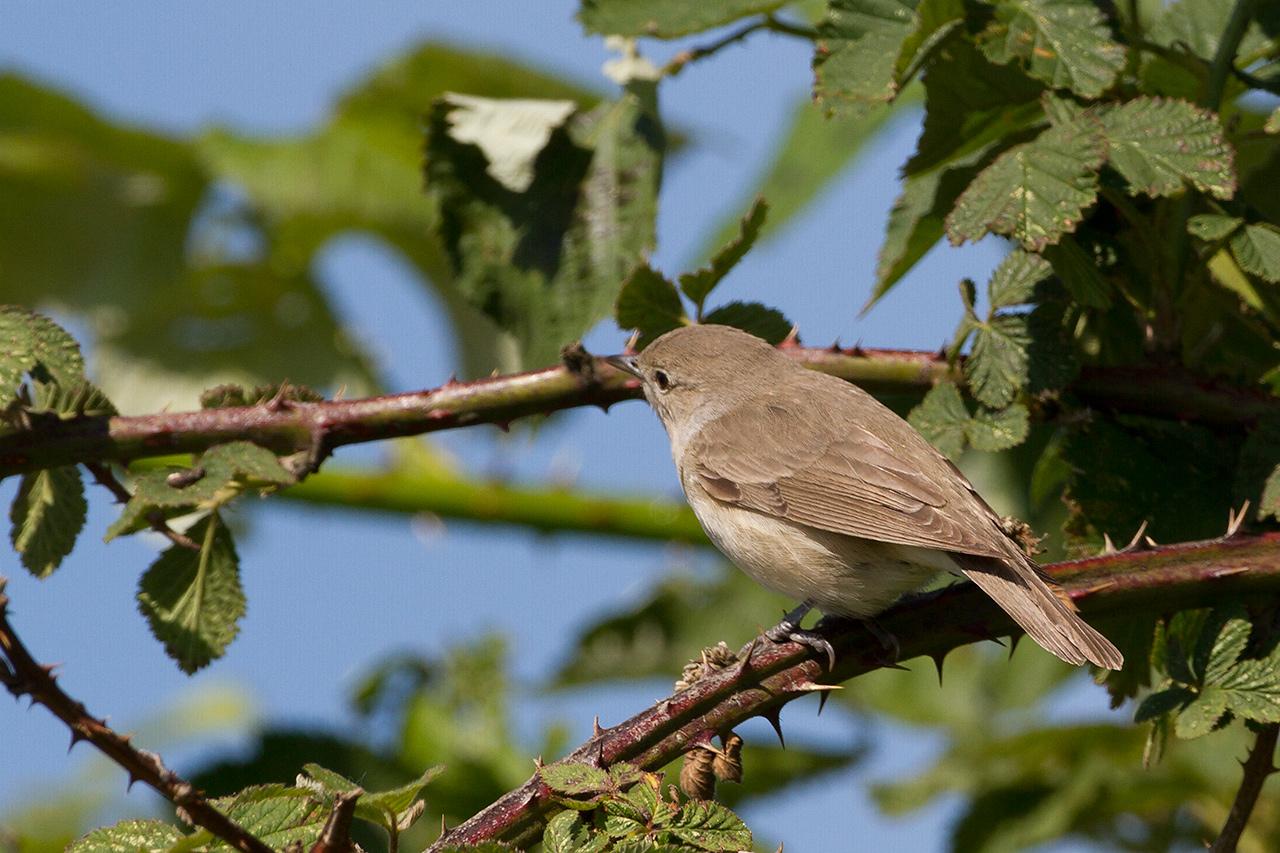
point(319, 428)
point(1113, 586)
point(22, 676)
point(1257, 767)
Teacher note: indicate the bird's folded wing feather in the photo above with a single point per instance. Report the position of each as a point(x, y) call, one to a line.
point(850, 466)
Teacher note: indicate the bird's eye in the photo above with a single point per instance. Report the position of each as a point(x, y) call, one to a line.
point(662, 379)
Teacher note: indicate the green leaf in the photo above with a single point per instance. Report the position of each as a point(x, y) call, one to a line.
point(220, 474)
point(383, 808)
point(1065, 43)
point(562, 833)
point(1201, 715)
point(857, 56)
point(763, 322)
point(1211, 227)
point(935, 20)
point(1199, 25)
point(999, 430)
point(1014, 281)
point(1256, 248)
point(1273, 122)
point(1034, 192)
point(544, 259)
point(650, 304)
point(1159, 145)
point(29, 341)
point(82, 398)
point(814, 150)
point(276, 814)
point(710, 826)
point(129, 836)
point(665, 18)
point(47, 515)
point(193, 600)
point(697, 285)
point(970, 104)
point(575, 779)
point(1269, 505)
point(942, 418)
point(997, 367)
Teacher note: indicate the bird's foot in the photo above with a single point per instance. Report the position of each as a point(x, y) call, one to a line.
point(893, 651)
point(789, 631)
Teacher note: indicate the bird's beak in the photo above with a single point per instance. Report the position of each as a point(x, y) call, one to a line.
point(625, 363)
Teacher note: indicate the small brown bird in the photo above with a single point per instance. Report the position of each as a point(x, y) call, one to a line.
point(819, 492)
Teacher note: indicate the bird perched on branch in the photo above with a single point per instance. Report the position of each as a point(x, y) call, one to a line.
point(819, 492)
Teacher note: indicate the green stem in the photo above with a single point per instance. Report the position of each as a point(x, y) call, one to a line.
point(543, 509)
point(1224, 59)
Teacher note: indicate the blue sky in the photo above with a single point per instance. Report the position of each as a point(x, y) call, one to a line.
point(274, 68)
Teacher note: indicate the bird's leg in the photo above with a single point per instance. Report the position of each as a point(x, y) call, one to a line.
point(874, 628)
point(789, 630)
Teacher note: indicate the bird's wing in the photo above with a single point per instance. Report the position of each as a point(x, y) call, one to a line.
point(824, 453)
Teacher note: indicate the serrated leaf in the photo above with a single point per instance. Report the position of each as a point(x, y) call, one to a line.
point(1229, 643)
point(128, 836)
point(1198, 26)
point(193, 600)
point(999, 430)
point(650, 304)
point(82, 398)
point(47, 515)
point(710, 826)
point(29, 340)
point(545, 262)
point(276, 814)
point(1065, 43)
point(1201, 715)
point(935, 20)
point(696, 285)
point(1256, 248)
point(383, 808)
point(220, 474)
point(1014, 280)
point(1034, 192)
point(942, 418)
point(1211, 226)
point(665, 18)
point(1158, 144)
point(759, 320)
point(997, 366)
point(559, 836)
point(858, 50)
point(574, 779)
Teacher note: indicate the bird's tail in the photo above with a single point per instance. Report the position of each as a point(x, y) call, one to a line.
point(1041, 607)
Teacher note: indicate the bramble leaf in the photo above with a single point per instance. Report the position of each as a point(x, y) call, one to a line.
point(1034, 192)
point(999, 430)
point(1065, 43)
point(47, 515)
point(1257, 249)
point(861, 42)
point(665, 19)
point(942, 418)
point(650, 304)
point(1159, 144)
point(193, 599)
point(759, 320)
point(997, 366)
point(129, 836)
point(710, 826)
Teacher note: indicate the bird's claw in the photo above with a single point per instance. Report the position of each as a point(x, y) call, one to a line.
point(786, 632)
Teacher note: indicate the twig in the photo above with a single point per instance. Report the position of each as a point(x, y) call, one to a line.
point(1259, 765)
point(107, 479)
point(768, 22)
point(1117, 585)
point(321, 427)
point(22, 676)
point(335, 837)
point(1224, 58)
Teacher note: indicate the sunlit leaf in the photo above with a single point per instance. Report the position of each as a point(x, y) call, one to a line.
point(665, 18)
point(1065, 43)
point(1157, 145)
point(698, 284)
point(128, 836)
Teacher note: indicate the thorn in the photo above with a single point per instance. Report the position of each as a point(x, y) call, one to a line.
point(598, 758)
point(792, 339)
point(505, 426)
point(822, 701)
point(444, 829)
point(1234, 521)
point(938, 658)
point(1136, 542)
point(76, 737)
point(809, 686)
point(631, 342)
point(1108, 547)
point(537, 763)
point(1014, 639)
point(745, 662)
point(775, 719)
point(596, 731)
point(835, 345)
point(133, 780)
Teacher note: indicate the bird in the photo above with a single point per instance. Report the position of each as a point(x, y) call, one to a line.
point(821, 493)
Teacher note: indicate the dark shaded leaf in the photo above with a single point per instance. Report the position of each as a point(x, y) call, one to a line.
point(763, 322)
point(650, 304)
